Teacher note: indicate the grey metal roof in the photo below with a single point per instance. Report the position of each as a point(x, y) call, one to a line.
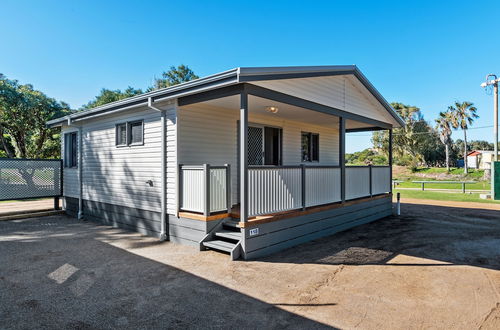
point(226, 78)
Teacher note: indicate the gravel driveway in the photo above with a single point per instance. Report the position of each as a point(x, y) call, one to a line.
point(433, 267)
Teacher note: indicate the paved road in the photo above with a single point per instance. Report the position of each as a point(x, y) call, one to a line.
point(434, 267)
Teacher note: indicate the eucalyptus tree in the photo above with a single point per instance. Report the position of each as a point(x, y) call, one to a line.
point(444, 127)
point(463, 115)
point(175, 76)
point(107, 96)
point(23, 114)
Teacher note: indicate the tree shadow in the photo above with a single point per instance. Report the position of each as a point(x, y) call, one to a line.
point(54, 280)
point(437, 235)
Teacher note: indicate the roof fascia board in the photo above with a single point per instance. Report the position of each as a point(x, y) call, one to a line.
point(364, 129)
point(194, 86)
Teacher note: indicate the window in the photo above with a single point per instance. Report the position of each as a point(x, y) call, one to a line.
point(121, 134)
point(135, 130)
point(130, 133)
point(70, 150)
point(310, 147)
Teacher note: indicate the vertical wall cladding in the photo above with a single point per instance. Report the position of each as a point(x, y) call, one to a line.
point(209, 135)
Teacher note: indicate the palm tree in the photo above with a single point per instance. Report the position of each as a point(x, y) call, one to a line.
point(463, 115)
point(444, 124)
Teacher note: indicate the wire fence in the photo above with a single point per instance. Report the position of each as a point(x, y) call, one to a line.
point(30, 178)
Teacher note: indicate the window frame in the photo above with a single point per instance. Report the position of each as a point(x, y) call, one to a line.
point(71, 150)
point(128, 133)
point(117, 126)
point(312, 150)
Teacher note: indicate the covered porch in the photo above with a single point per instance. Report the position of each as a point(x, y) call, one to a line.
point(257, 154)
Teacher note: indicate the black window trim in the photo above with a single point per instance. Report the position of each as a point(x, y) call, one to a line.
point(311, 134)
point(128, 133)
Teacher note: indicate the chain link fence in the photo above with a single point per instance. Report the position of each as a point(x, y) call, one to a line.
point(30, 178)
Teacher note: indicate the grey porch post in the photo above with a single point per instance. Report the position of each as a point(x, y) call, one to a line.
point(390, 156)
point(243, 156)
point(342, 157)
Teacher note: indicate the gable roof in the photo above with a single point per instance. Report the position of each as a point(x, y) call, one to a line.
point(227, 78)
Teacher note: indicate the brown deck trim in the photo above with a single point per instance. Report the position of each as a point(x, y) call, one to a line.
point(296, 213)
point(201, 217)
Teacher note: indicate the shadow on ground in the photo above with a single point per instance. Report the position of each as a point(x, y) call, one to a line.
point(56, 273)
point(444, 235)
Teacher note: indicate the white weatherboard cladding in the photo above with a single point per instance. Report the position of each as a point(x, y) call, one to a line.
point(341, 92)
point(70, 175)
point(209, 135)
point(118, 175)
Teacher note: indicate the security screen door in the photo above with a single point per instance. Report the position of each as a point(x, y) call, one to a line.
point(264, 145)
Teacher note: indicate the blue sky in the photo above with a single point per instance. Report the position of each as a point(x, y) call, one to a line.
point(423, 53)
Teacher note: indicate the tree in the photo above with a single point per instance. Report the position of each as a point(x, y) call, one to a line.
point(444, 125)
point(410, 141)
point(463, 115)
point(23, 114)
point(175, 76)
point(108, 96)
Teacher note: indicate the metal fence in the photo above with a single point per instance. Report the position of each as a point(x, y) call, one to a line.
point(30, 178)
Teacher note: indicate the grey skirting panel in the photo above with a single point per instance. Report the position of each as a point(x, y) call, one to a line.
point(142, 221)
point(188, 231)
point(279, 235)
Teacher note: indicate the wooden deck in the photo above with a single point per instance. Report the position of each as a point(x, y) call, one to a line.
point(235, 213)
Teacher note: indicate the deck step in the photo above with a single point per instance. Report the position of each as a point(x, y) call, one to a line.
point(220, 245)
point(229, 234)
point(232, 223)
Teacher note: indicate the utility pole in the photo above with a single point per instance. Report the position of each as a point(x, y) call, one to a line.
point(487, 83)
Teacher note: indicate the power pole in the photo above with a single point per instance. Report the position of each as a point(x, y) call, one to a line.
point(494, 82)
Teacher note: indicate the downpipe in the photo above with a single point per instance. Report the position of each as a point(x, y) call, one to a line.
point(163, 222)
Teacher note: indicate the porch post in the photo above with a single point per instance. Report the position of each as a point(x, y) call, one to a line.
point(390, 157)
point(342, 157)
point(243, 156)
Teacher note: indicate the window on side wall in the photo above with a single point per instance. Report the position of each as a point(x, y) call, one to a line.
point(130, 133)
point(70, 150)
point(121, 134)
point(310, 147)
point(136, 132)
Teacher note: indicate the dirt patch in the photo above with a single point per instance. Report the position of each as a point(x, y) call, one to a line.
point(436, 266)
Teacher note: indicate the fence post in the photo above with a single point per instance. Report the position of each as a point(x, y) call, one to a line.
point(463, 187)
point(370, 176)
point(423, 186)
point(303, 179)
point(56, 203)
point(206, 172)
point(179, 188)
point(228, 188)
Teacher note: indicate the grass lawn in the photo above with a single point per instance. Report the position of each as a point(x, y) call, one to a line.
point(443, 196)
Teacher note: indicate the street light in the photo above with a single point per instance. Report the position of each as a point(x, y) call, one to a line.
point(494, 82)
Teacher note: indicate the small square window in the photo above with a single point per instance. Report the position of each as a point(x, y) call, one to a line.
point(310, 147)
point(121, 134)
point(136, 132)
